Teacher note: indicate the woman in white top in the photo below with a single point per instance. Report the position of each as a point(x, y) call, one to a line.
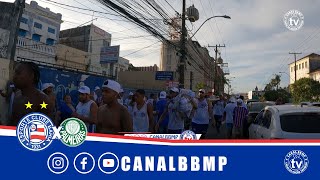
point(142, 114)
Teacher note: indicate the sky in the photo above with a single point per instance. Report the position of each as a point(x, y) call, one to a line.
point(257, 41)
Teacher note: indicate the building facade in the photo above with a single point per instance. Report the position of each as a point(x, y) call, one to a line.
point(147, 68)
point(306, 67)
point(142, 80)
point(38, 34)
point(199, 64)
point(90, 39)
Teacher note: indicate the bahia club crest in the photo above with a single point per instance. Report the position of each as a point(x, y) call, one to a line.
point(36, 131)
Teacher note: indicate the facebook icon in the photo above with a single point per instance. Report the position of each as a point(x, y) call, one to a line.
point(84, 163)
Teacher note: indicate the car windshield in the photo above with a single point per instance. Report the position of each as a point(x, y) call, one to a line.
point(301, 123)
point(257, 107)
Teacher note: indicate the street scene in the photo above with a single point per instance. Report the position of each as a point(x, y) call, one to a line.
point(222, 69)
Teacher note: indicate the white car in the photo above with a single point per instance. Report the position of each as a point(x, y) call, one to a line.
point(286, 122)
point(316, 104)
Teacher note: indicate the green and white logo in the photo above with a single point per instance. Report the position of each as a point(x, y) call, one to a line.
point(73, 132)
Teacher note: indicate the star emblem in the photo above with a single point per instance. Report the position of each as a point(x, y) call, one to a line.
point(43, 105)
point(28, 105)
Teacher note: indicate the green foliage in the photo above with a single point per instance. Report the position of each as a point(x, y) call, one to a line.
point(305, 89)
point(200, 86)
point(273, 95)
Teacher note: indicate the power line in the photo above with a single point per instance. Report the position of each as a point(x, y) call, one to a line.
point(141, 49)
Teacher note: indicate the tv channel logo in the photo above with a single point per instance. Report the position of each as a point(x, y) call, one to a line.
point(58, 163)
point(108, 163)
point(84, 163)
point(296, 161)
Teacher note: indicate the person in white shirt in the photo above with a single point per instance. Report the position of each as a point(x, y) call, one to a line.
point(86, 109)
point(203, 112)
point(228, 116)
point(142, 113)
point(129, 99)
point(120, 97)
point(218, 113)
point(177, 109)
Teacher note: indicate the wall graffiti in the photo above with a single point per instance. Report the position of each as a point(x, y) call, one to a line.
point(4, 38)
point(68, 82)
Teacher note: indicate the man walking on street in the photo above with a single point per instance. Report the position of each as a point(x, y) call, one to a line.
point(203, 113)
point(26, 77)
point(240, 114)
point(218, 112)
point(228, 116)
point(177, 109)
point(142, 113)
point(113, 118)
point(160, 108)
point(86, 109)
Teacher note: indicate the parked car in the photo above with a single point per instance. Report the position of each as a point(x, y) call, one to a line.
point(251, 100)
point(317, 104)
point(255, 107)
point(286, 122)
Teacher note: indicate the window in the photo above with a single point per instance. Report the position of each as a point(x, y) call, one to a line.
point(300, 122)
point(22, 33)
point(37, 25)
point(302, 65)
point(106, 43)
point(299, 66)
point(306, 64)
point(51, 30)
point(24, 20)
point(50, 41)
point(36, 37)
point(258, 119)
point(291, 69)
point(266, 120)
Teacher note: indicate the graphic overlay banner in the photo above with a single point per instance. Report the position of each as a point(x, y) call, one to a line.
point(109, 156)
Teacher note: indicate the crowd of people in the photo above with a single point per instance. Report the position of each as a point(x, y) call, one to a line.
point(105, 110)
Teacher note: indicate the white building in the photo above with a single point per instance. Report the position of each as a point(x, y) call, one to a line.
point(121, 65)
point(199, 64)
point(38, 34)
point(306, 67)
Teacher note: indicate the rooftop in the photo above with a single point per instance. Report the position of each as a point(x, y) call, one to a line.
point(310, 55)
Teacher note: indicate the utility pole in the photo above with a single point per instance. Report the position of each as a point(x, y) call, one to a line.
point(295, 65)
point(215, 87)
point(14, 31)
point(182, 46)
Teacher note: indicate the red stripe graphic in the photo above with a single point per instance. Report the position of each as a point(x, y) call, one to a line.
point(38, 137)
point(40, 129)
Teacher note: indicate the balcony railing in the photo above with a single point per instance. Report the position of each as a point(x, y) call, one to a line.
point(37, 47)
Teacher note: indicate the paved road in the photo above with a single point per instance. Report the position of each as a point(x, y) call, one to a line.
point(213, 134)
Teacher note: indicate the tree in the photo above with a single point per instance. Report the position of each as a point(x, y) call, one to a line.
point(274, 83)
point(200, 86)
point(273, 95)
point(305, 89)
point(273, 92)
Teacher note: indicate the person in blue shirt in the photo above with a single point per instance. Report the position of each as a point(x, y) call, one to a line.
point(66, 108)
point(160, 108)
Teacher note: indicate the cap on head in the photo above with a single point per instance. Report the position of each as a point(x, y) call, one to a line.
point(130, 93)
point(46, 86)
point(163, 95)
point(202, 90)
point(96, 88)
point(174, 89)
point(115, 86)
point(84, 90)
point(239, 101)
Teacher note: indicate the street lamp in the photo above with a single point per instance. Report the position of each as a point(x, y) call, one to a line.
point(224, 16)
